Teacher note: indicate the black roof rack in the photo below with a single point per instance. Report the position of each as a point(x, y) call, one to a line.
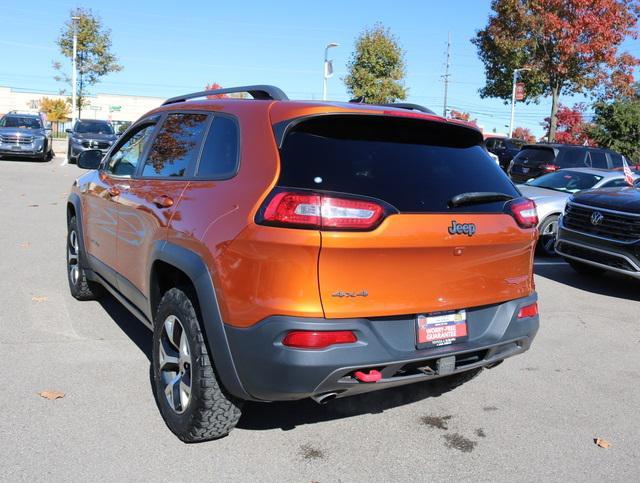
point(411, 107)
point(260, 92)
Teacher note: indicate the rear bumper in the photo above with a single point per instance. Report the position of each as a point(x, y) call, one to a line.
point(270, 371)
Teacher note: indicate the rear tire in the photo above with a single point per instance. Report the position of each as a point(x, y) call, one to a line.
point(584, 268)
point(81, 288)
point(192, 402)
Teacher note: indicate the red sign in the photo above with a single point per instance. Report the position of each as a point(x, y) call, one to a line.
point(519, 91)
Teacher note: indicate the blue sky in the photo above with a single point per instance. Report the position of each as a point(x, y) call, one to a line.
point(168, 48)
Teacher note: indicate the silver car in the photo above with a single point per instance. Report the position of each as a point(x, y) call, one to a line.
point(551, 192)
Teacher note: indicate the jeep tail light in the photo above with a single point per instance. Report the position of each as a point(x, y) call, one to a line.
point(307, 339)
point(549, 168)
point(321, 211)
point(528, 311)
point(524, 212)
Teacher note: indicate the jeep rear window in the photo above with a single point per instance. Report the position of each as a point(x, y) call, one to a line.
point(543, 155)
point(415, 165)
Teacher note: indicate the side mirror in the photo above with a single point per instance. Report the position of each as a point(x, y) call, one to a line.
point(68, 130)
point(90, 159)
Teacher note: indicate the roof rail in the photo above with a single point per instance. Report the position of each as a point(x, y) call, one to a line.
point(260, 92)
point(411, 107)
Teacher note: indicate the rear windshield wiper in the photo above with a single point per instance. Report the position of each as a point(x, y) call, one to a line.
point(475, 197)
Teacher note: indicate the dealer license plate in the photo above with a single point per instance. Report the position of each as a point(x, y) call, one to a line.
point(442, 328)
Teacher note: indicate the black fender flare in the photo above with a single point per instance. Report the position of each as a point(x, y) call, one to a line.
point(196, 269)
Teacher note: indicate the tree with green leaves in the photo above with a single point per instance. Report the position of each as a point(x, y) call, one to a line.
point(616, 125)
point(569, 47)
point(94, 58)
point(377, 67)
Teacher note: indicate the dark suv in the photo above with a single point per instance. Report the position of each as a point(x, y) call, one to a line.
point(504, 148)
point(534, 160)
point(600, 230)
point(25, 135)
point(283, 250)
point(89, 134)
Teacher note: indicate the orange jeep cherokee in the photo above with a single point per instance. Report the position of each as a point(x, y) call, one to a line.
point(282, 250)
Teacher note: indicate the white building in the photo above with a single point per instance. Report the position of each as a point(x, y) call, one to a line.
point(110, 107)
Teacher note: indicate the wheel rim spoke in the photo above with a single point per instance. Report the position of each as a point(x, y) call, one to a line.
point(72, 257)
point(174, 361)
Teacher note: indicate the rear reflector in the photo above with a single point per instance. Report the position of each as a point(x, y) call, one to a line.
point(528, 311)
point(524, 212)
point(305, 339)
point(313, 210)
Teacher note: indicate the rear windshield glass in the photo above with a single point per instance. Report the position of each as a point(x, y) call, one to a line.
point(566, 181)
point(414, 165)
point(535, 154)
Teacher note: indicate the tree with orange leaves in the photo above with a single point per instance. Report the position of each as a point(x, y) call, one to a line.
point(570, 46)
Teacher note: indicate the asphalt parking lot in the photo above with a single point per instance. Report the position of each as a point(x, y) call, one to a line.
point(533, 418)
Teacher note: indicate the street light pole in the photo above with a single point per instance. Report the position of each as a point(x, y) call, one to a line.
point(328, 69)
point(513, 97)
point(74, 70)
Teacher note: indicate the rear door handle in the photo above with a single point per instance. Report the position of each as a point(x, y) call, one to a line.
point(163, 201)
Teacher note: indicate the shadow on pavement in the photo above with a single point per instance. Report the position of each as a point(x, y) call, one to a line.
point(131, 326)
point(289, 415)
point(608, 283)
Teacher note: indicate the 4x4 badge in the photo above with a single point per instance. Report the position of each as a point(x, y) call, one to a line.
point(596, 218)
point(341, 294)
point(462, 228)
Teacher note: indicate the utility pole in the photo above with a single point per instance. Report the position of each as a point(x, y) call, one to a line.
point(74, 74)
point(446, 75)
point(328, 69)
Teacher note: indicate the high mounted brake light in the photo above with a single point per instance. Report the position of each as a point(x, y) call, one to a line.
point(524, 212)
point(321, 211)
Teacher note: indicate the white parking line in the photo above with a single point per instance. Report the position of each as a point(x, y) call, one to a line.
point(64, 161)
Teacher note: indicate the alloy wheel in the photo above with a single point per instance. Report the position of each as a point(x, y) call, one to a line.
point(175, 364)
point(548, 237)
point(72, 258)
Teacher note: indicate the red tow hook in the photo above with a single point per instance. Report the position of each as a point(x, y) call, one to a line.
point(371, 376)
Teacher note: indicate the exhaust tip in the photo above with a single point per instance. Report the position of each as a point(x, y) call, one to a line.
point(324, 398)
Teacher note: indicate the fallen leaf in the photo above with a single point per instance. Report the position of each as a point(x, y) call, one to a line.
point(25, 245)
point(51, 395)
point(603, 443)
point(39, 299)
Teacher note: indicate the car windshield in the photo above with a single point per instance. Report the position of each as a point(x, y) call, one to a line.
point(94, 128)
point(566, 181)
point(23, 122)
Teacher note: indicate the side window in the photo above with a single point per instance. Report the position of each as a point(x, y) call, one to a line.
point(597, 159)
point(616, 183)
point(176, 146)
point(489, 143)
point(573, 158)
point(616, 160)
point(220, 153)
point(125, 159)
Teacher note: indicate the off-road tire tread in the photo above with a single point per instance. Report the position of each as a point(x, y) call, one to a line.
point(216, 412)
point(85, 289)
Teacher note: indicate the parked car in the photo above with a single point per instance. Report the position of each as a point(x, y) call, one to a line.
point(25, 134)
point(534, 160)
point(600, 231)
point(283, 250)
point(551, 192)
point(504, 148)
point(89, 134)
